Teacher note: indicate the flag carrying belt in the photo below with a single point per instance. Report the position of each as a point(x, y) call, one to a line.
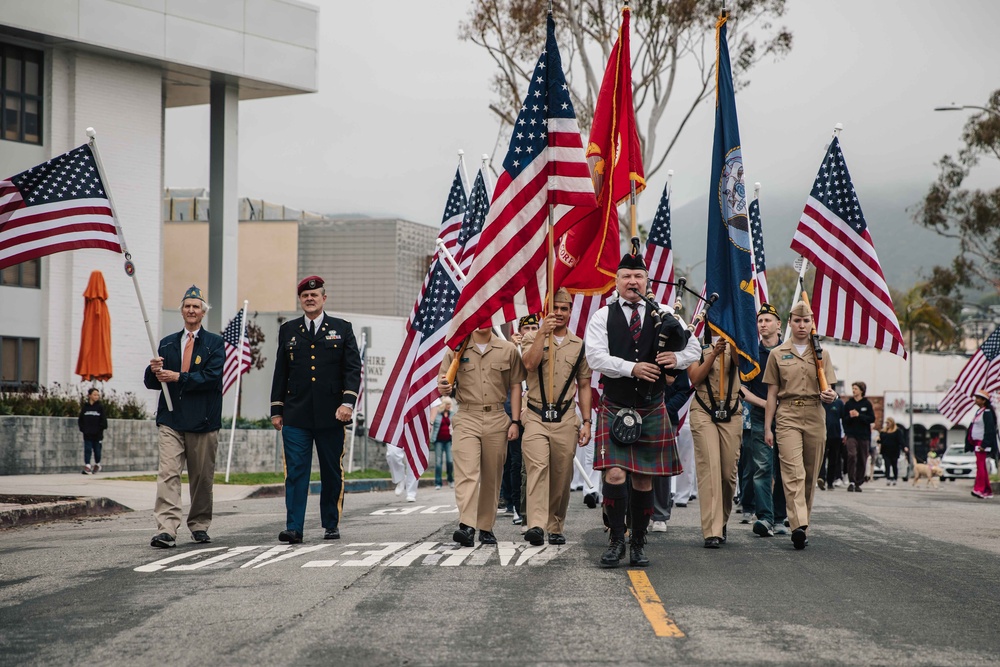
point(723, 415)
point(561, 406)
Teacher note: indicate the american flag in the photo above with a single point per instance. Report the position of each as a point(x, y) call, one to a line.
point(850, 298)
point(982, 371)
point(545, 165)
point(237, 356)
point(401, 417)
point(760, 268)
point(451, 226)
point(472, 224)
point(660, 254)
point(57, 206)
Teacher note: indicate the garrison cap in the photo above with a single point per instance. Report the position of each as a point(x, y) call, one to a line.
point(194, 292)
point(768, 309)
point(562, 296)
point(312, 282)
point(802, 309)
point(630, 261)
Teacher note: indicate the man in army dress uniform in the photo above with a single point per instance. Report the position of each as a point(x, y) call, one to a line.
point(317, 375)
point(552, 430)
point(793, 398)
point(489, 371)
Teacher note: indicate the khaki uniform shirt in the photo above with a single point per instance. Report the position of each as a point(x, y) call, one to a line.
point(566, 355)
point(794, 373)
point(485, 378)
point(711, 383)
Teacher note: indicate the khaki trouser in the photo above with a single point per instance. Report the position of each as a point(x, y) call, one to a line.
point(801, 437)
point(716, 453)
point(548, 450)
point(198, 451)
point(479, 448)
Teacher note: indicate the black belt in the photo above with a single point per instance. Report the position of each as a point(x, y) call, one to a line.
point(563, 409)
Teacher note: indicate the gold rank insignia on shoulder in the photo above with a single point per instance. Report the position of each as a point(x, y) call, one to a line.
point(197, 360)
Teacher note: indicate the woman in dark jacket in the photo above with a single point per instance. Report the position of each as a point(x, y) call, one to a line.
point(859, 415)
point(981, 438)
point(891, 442)
point(92, 423)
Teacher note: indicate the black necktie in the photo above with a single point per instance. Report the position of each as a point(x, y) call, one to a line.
point(634, 324)
point(312, 328)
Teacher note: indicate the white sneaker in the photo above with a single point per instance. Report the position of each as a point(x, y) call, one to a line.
point(437, 487)
point(87, 470)
point(399, 489)
point(97, 467)
point(411, 499)
point(658, 527)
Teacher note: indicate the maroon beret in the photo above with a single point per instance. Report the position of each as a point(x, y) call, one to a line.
point(312, 282)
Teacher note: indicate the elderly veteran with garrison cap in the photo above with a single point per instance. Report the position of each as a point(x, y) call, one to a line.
point(622, 346)
point(552, 429)
point(793, 400)
point(190, 362)
point(317, 375)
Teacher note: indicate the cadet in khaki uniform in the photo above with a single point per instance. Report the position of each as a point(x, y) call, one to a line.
point(793, 396)
point(716, 441)
point(548, 447)
point(489, 370)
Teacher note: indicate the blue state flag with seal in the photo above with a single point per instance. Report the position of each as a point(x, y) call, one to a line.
point(729, 271)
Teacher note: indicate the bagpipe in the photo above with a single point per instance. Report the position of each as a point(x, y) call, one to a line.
point(681, 285)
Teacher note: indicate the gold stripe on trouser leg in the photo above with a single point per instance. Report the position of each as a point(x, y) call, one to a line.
point(343, 482)
point(793, 475)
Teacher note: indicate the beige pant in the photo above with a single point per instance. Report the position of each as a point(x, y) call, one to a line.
point(548, 450)
point(716, 453)
point(198, 451)
point(800, 432)
point(479, 449)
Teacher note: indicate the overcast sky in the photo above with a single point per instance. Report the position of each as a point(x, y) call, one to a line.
point(399, 94)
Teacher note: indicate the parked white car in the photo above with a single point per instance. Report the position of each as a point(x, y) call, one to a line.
point(960, 464)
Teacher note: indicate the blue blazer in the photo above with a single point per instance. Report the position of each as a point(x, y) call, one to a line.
point(197, 396)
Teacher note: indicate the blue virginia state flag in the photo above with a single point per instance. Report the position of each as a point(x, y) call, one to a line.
point(729, 270)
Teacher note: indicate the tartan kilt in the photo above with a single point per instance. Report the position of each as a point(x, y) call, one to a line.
point(654, 453)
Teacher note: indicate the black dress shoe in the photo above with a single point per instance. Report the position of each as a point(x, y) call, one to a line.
point(536, 536)
point(201, 536)
point(799, 539)
point(557, 538)
point(713, 543)
point(163, 541)
point(614, 554)
point(487, 537)
point(680, 504)
point(290, 536)
point(332, 534)
point(590, 500)
point(465, 535)
point(636, 554)
point(724, 537)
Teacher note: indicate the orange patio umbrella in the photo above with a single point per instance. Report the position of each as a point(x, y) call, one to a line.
point(94, 362)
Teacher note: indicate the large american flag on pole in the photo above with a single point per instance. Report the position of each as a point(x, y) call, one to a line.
point(545, 165)
point(760, 267)
point(850, 297)
point(237, 351)
point(59, 205)
point(982, 371)
point(660, 254)
point(401, 418)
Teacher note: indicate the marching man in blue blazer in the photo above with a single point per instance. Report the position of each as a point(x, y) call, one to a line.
point(317, 375)
point(190, 362)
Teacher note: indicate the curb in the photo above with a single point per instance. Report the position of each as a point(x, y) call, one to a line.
point(55, 508)
point(350, 486)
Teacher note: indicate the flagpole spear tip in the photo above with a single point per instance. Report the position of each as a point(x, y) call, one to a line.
point(92, 133)
point(837, 129)
point(756, 189)
point(460, 152)
point(486, 157)
point(670, 173)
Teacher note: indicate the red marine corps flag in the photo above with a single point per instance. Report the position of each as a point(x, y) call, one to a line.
point(545, 172)
point(588, 254)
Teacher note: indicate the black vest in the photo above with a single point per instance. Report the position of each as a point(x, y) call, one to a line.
point(629, 390)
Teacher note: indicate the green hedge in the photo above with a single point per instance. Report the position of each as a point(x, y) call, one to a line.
point(59, 401)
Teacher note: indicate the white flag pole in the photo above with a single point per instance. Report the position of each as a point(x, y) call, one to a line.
point(239, 376)
point(354, 413)
point(457, 272)
point(129, 266)
point(753, 253)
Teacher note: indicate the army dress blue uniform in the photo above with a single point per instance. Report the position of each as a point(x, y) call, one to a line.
point(314, 374)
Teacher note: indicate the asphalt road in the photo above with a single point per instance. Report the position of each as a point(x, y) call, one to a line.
point(891, 576)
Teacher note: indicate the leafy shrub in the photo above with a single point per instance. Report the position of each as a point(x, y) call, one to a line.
point(252, 424)
point(59, 401)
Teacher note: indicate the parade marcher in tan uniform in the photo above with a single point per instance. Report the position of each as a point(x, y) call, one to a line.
point(548, 447)
point(489, 370)
point(793, 398)
point(717, 427)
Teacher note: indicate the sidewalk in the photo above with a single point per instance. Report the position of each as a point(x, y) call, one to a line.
point(69, 495)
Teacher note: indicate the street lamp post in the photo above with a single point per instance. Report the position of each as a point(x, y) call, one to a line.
point(961, 107)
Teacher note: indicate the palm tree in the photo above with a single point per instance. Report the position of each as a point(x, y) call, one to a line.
point(925, 323)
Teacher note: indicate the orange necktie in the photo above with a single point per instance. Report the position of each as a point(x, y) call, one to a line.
point(188, 349)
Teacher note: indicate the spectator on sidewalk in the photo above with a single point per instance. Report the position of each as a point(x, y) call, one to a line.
point(859, 415)
point(441, 437)
point(834, 444)
point(891, 444)
point(92, 422)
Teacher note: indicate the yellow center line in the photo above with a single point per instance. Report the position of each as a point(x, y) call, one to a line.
point(651, 605)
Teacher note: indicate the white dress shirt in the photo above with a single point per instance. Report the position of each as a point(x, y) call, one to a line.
point(599, 357)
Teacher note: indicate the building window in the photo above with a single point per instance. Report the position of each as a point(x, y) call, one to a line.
point(25, 274)
point(18, 363)
point(21, 93)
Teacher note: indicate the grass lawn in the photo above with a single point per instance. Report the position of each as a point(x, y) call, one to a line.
point(257, 478)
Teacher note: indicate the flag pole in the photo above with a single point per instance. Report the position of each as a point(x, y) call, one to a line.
point(129, 266)
point(460, 274)
point(485, 168)
point(753, 252)
point(465, 173)
point(551, 261)
point(239, 376)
